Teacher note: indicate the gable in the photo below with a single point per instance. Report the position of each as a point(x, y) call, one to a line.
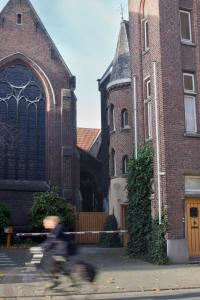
point(31, 30)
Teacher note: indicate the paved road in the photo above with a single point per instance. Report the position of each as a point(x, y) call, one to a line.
point(120, 278)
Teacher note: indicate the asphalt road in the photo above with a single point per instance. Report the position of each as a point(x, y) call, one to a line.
point(142, 279)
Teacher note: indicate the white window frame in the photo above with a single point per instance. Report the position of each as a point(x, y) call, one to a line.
point(193, 83)
point(190, 26)
point(148, 88)
point(186, 98)
point(146, 35)
point(149, 119)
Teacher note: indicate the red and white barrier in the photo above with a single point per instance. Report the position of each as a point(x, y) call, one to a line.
point(71, 233)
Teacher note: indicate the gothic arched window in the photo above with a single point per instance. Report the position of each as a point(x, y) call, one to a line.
point(22, 116)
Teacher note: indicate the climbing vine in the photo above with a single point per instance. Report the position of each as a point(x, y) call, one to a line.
point(146, 236)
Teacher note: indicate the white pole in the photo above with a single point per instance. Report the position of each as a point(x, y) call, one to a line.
point(157, 140)
point(135, 116)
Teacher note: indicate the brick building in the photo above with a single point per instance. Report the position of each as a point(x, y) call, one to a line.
point(165, 65)
point(37, 113)
point(117, 124)
point(91, 179)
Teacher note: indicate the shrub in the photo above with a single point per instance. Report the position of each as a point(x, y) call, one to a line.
point(50, 203)
point(4, 216)
point(109, 240)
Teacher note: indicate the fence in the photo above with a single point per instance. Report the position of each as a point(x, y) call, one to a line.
point(90, 221)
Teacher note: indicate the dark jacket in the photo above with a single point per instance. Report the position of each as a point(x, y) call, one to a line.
point(54, 245)
point(56, 241)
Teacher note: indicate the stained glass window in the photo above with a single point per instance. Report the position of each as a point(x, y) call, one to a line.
point(22, 124)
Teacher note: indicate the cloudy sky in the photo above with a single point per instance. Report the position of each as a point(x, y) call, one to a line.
point(85, 32)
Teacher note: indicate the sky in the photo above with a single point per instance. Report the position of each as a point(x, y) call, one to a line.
point(85, 33)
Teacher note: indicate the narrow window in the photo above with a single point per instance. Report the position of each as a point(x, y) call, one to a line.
point(148, 88)
point(146, 35)
point(112, 118)
point(189, 102)
point(149, 117)
point(124, 118)
point(19, 19)
point(113, 163)
point(185, 22)
point(190, 114)
point(125, 161)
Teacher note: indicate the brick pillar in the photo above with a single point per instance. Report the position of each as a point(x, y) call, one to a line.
point(68, 152)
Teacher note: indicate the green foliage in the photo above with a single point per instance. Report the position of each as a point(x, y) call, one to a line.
point(109, 240)
point(50, 203)
point(139, 185)
point(157, 246)
point(146, 236)
point(4, 216)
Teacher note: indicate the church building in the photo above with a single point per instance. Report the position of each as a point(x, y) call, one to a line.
point(37, 113)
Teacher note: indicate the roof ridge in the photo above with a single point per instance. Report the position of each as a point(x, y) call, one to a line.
point(44, 29)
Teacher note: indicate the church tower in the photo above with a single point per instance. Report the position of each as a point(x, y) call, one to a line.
point(37, 113)
point(115, 87)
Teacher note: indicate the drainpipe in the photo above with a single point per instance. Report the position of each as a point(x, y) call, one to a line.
point(135, 116)
point(157, 140)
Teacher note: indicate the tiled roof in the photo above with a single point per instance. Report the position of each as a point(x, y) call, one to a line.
point(86, 137)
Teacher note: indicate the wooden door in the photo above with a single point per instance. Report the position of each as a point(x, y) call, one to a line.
point(193, 226)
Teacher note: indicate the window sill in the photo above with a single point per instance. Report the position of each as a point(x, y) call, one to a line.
point(125, 175)
point(112, 131)
point(190, 93)
point(190, 134)
point(188, 43)
point(149, 139)
point(127, 128)
point(145, 51)
point(147, 100)
point(24, 185)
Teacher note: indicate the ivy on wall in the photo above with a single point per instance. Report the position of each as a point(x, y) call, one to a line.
point(146, 236)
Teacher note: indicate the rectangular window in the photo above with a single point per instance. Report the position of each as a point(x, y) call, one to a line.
point(185, 22)
point(146, 35)
point(190, 114)
point(188, 83)
point(149, 116)
point(19, 19)
point(192, 184)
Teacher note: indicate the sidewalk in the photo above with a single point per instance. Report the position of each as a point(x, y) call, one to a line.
point(117, 273)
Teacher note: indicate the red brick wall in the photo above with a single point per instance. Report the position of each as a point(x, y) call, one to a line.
point(179, 154)
point(35, 49)
point(121, 140)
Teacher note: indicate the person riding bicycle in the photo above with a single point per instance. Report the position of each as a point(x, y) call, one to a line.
point(54, 248)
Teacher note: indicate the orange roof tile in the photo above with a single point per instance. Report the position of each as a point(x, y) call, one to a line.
point(86, 137)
